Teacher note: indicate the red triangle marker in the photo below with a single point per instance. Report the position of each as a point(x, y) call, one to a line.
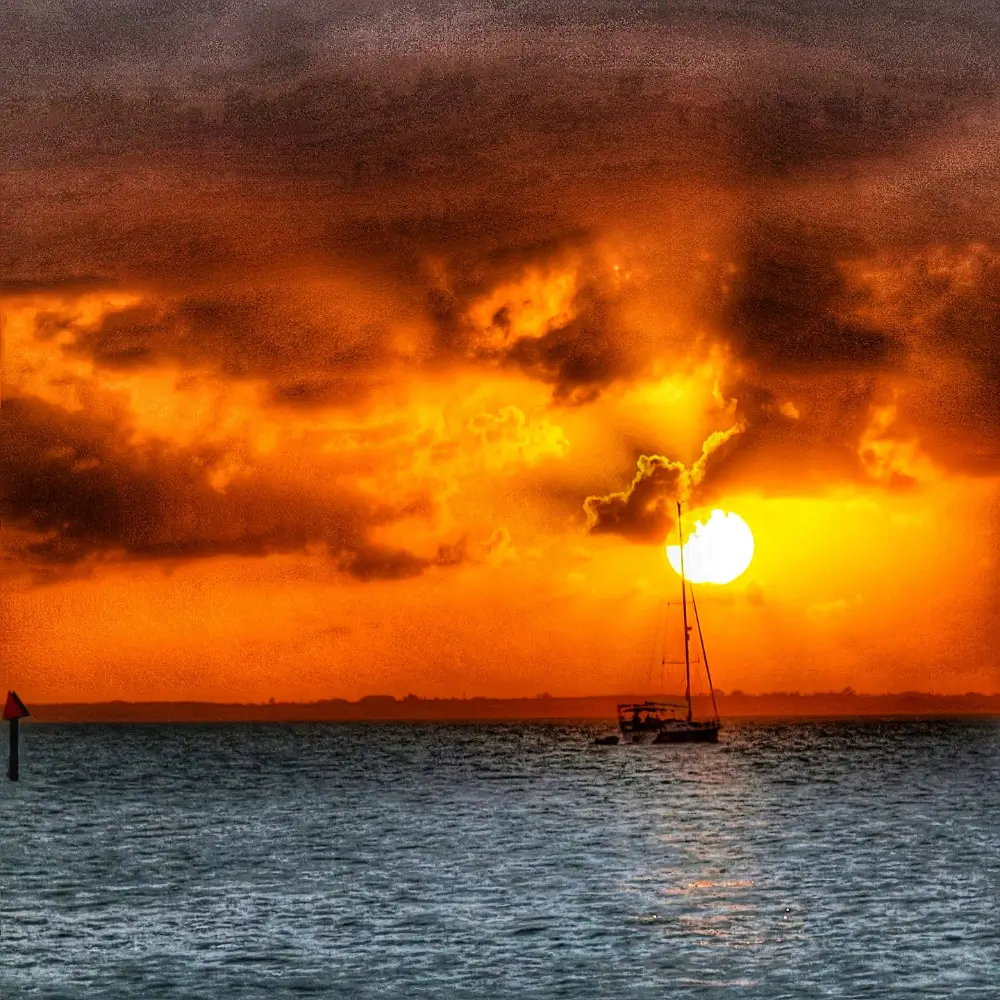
point(14, 709)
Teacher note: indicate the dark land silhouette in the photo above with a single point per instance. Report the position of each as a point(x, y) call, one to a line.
point(385, 708)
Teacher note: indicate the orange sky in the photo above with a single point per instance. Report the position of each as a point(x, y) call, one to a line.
point(379, 367)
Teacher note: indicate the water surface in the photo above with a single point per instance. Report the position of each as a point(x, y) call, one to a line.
point(791, 860)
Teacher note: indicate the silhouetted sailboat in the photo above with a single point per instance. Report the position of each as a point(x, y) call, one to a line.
point(658, 722)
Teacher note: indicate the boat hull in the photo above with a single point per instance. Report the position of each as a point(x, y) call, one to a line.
point(641, 737)
point(695, 733)
point(673, 732)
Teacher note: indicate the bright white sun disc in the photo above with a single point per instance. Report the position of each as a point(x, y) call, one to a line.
point(716, 552)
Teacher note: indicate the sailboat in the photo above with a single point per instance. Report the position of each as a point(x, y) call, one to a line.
point(659, 722)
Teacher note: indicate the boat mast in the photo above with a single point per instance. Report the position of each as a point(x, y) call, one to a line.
point(687, 629)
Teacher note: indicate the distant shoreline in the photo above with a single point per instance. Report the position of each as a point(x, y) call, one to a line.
point(384, 708)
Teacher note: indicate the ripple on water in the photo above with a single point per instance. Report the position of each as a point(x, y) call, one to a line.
point(792, 860)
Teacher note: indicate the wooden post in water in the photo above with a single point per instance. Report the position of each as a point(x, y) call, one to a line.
point(14, 764)
point(13, 711)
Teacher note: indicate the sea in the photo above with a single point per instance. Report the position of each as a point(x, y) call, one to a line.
point(794, 859)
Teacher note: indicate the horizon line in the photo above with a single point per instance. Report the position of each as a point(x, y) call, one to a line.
point(544, 696)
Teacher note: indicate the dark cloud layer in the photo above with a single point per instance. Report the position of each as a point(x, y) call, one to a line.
point(73, 484)
point(751, 166)
point(788, 307)
point(646, 511)
point(307, 354)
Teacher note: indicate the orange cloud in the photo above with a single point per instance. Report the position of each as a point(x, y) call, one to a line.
point(534, 305)
point(322, 371)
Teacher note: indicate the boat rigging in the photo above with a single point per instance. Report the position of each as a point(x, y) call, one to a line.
point(658, 722)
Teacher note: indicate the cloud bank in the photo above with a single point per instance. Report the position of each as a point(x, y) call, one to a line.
point(331, 205)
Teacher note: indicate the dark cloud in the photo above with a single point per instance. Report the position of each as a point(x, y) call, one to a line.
point(646, 511)
point(788, 306)
point(581, 357)
point(207, 155)
point(307, 349)
point(799, 449)
point(75, 485)
point(945, 300)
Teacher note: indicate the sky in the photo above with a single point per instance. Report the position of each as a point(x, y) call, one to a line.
point(351, 349)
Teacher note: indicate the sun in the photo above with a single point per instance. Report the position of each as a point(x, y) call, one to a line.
point(716, 552)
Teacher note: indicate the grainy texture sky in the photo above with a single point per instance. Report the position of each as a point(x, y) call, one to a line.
point(353, 349)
